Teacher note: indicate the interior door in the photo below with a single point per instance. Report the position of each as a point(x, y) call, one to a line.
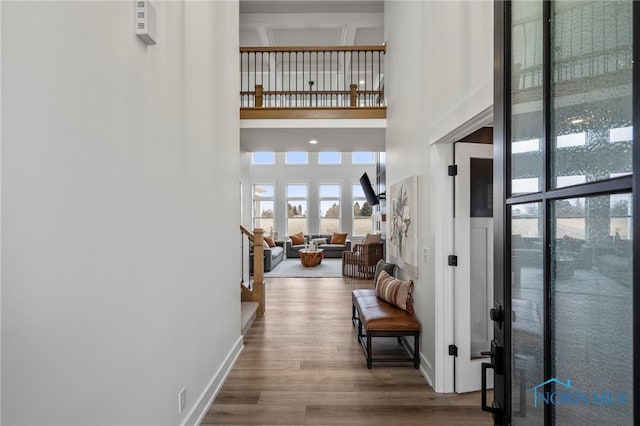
point(473, 230)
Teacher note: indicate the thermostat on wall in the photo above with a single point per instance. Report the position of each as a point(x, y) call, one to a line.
point(145, 22)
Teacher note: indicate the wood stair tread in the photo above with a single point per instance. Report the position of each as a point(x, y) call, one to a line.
point(248, 312)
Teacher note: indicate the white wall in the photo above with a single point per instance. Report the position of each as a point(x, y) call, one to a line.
point(438, 76)
point(119, 191)
point(313, 174)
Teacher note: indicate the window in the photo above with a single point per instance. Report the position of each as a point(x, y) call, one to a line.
point(296, 209)
point(329, 208)
point(297, 157)
point(525, 185)
point(573, 139)
point(570, 218)
point(361, 212)
point(621, 134)
point(329, 158)
point(525, 220)
point(363, 158)
point(263, 207)
point(562, 181)
point(263, 158)
point(531, 145)
point(620, 218)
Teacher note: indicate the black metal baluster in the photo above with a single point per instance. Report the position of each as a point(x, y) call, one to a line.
point(344, 72)
point(371, 94)
point(331, 78)
point(289, 79)
point(380, 85)
point(324, 76)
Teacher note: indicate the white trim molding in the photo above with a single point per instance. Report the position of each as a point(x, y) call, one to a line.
point(441, 157)
point(470, 119)
point(424, 372)
point(200, 409)
point(442, 193)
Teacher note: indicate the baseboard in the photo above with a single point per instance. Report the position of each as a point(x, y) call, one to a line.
point(423, 362)
point(200, 409)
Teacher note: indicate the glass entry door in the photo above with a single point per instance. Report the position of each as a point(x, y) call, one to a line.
point(567, 295)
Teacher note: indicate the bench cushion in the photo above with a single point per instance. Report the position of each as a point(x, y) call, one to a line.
point(362, 292)
point(378, 315)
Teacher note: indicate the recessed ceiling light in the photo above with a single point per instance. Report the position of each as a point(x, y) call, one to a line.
point(361, 82)
point(577, 121)
point(313, 141)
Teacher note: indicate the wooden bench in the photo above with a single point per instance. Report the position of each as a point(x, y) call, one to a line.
point(375, 317)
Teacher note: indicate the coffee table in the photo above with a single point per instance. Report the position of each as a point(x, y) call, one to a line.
point(311, 258)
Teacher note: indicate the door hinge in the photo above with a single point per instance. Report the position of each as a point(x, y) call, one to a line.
point(452, 170)
point(452, 260)
point(453, 350)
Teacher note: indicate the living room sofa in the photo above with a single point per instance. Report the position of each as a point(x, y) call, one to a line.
point(330, 250)
point(272, 256)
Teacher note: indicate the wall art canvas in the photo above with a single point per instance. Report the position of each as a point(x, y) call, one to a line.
point(403, 239)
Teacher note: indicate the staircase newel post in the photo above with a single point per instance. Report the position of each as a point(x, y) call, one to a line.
point(258, 270)
point(354, 94)
point(258, 100)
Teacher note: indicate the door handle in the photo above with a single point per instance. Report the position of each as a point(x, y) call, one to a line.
point(497, 365)
point(497, 357)
point(495, 408)
point(484, 406)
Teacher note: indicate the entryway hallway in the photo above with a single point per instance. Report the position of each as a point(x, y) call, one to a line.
point(302, 364)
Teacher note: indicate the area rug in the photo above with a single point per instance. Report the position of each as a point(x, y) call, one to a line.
point(329, 268)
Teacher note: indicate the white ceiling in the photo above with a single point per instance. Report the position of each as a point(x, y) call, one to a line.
point(294, 135)
point(312, 23)
point(311, 6)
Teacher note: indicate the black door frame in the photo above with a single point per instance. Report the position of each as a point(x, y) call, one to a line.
point(502, 203)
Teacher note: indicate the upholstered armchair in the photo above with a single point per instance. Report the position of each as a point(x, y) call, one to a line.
point(360, 262)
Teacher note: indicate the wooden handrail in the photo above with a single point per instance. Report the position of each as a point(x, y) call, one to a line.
point(246, 232)
point(258, 49)
point(314, 92)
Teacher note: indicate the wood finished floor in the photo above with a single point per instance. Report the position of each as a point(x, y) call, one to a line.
point(302, 365)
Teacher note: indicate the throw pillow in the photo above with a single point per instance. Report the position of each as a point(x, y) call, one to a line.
point(297, 239)
point(270, 241)
point(371, 238)
point(395, 291)
point(389, 268)
point(338, 238)
point(319, 241)
point(265, 244)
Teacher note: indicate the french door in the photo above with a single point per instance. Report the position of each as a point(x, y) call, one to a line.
point(567, 312)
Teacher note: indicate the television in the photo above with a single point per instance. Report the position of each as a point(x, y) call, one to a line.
point(369, 193)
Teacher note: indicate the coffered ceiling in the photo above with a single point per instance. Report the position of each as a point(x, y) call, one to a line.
point(311, 23)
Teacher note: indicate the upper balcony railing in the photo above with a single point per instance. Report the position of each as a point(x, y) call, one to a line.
point(312, 82)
